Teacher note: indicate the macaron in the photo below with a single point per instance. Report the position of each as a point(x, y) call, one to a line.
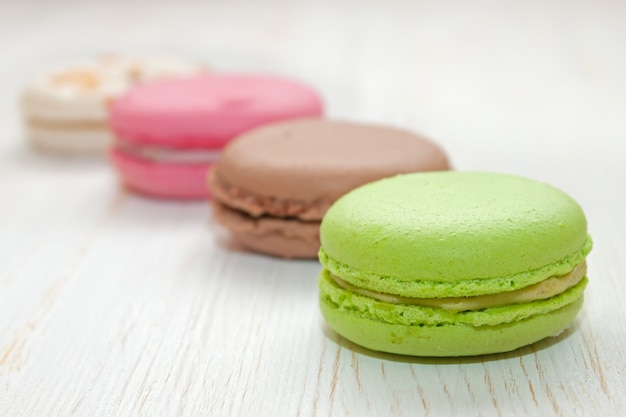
point(452, 263)
point(168, 133)
point(274, 184)
point(66, 109)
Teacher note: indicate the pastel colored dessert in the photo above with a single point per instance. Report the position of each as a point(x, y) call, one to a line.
point(168, 133)
point(66, 109)
point(452, 264)
point(273, 185)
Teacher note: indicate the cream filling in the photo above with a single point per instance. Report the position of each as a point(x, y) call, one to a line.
point(539, 291)
point(78, 124)
point(170, 155)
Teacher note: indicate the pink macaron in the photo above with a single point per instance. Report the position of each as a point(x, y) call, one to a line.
point(169, 132)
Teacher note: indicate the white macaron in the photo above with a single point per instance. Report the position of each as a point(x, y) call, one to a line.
point(67, 109)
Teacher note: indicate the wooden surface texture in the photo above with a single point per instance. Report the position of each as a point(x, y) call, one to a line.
point(112, 304)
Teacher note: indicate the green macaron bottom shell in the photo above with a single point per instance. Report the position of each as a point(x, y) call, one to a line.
point(426, 331)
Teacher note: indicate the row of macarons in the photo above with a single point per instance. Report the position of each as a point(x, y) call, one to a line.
point(417, 259)
point(259, 144)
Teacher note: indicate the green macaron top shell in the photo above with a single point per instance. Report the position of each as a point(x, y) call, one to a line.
point(448, 233)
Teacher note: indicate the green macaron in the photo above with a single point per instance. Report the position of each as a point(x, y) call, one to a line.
point(452, 263)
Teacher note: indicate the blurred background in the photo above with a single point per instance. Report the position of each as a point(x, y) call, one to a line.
point(501, 76)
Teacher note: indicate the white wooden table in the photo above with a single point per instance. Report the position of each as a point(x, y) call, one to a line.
point(117, 305)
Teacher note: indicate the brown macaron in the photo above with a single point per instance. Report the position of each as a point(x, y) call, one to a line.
point(274, 184)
